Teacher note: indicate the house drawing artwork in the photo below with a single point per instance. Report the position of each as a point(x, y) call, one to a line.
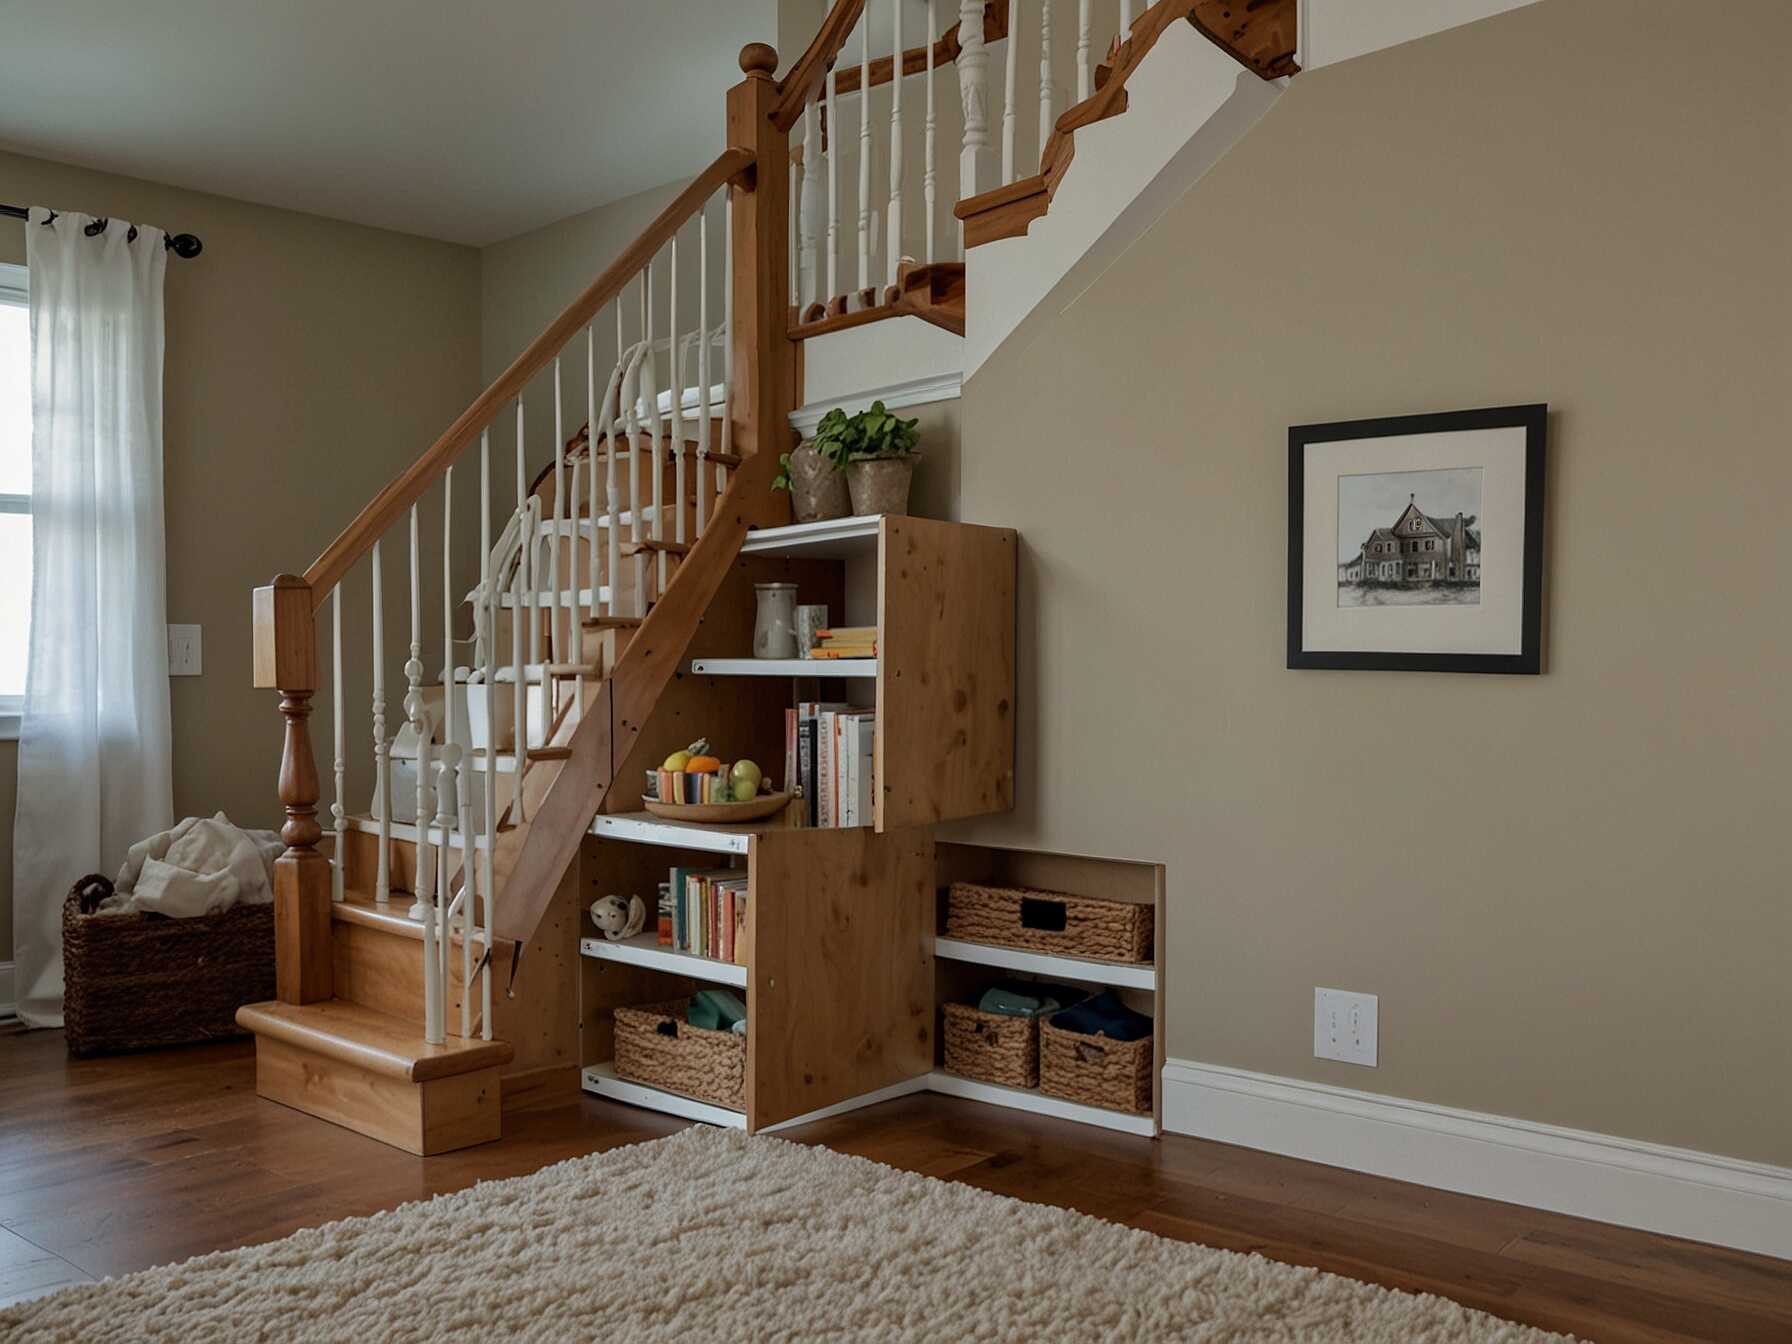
point(1419, 552)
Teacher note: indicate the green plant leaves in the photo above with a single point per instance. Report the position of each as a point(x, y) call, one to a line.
point(871, 433)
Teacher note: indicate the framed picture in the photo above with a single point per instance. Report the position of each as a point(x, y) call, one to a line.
point(1415, 543)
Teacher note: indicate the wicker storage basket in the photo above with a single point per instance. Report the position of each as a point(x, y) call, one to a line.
point(1095, 1069)
point(992, 1047)
point(657, 1046)
point(134, 982)
point(1050, 921)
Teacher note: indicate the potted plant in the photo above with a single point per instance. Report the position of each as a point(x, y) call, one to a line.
point(876, 451)
point(817, 488)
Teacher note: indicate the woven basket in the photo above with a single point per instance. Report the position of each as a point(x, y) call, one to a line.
point(657, 1046)
point(992, 1047)
point(1050, 921)
point(1095, 1070)
point(135, 982)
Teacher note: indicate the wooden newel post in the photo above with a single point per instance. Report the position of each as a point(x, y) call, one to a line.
point(765, 358)
point(286, 661)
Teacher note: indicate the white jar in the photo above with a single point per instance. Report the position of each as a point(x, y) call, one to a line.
point(774, 626)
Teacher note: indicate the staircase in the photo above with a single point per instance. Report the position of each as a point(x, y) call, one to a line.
point(427, 948)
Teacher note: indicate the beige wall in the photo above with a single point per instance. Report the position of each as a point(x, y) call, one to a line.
point(308, 361)
point(1574, 906)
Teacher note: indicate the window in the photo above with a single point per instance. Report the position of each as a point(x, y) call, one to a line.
point(15, 493)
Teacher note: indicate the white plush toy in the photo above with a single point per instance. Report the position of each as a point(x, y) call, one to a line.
point(618, 921)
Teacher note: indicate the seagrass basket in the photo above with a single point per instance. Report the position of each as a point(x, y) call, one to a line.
point(1095, 1070)
point(991, 1047)
point(1050, 921)
point(657, 1046)
point(136, 982)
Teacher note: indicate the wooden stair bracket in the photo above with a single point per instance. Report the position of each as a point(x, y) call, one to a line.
point(1260, 37)
point(933, 292)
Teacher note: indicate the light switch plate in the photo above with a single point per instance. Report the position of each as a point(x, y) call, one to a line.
point(1346, 1026)
point(183, 651)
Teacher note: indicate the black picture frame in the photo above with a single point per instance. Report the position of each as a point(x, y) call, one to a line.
point(1528, 661)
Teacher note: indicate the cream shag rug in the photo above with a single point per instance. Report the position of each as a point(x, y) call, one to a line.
point(709, 1235)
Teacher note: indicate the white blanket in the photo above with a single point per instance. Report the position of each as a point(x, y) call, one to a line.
point(203, 865)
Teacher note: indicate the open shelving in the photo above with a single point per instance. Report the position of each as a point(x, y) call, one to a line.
point(644, 950)
point(1117, 974)
point(784, 667)
point(1039, 1103)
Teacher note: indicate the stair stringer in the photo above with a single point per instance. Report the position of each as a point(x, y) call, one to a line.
point(1188, 104)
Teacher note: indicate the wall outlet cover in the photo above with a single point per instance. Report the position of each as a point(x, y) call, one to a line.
point(183, 651)
point(1346, 1026)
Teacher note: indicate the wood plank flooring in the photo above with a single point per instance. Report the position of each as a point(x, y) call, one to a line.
point(112, 1165)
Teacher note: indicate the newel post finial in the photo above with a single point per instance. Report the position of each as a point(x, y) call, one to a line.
point(759, 59)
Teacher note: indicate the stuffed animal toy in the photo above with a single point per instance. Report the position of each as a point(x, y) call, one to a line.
point(618, 921)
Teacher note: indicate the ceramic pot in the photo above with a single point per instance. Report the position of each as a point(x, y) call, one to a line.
point(880, 484)
point(774, 625)
point(817, 491)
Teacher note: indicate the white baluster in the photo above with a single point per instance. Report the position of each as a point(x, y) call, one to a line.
point(435, 918)
point(469, 891)
point(1125, 20)
point(727, 326)
point(612, 491)
point(675, 357)
point(488, 663)
point(447, 608)
point(1008, 100)
point(637, 513)
point(382, 749)
point(1084, 79)
point(833, 137)
point(1045, 78)
point(928, 176)
point(591, 463)
point(575, 645)
point(864, 153)
point(797, 170)
point(520, 700)
point(418, 717)
point(893, 230)
point(808, 218)
point(973, 91)
point(526, 555)
point(703, 415)
point(338, 729)
point(556, 646)
point(651, 395)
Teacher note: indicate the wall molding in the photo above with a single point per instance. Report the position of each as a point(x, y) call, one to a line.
point(1676, 1191)
point(9, 1002)
point(895, 396)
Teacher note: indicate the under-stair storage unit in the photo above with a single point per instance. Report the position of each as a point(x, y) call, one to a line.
point(963, 968)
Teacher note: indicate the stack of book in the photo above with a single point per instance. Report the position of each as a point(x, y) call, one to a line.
point(831, 750)
point(847, 641)
point(704, 912)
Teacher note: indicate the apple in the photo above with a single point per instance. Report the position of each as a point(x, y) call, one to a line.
point(744, 780)
point(677, 761)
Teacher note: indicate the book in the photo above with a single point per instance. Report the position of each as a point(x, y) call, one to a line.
point(853, 634)
point(790, 774)
point(843, 651)
point(665, 914)
point(824, 769)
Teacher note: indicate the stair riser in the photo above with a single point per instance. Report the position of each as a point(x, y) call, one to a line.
point(438, 1116)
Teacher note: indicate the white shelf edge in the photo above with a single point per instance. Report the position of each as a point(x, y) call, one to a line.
point(1044, 963)
point(907, 1087)
point(646, 829)
point(644, 950)
point(784, 667)
point(1020, 1099)
point(602, 1079)
point(840, 534)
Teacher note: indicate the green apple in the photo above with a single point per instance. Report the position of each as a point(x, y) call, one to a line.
point(744, 781)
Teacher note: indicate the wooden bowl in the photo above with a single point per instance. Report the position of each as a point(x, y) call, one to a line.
point(765, 805)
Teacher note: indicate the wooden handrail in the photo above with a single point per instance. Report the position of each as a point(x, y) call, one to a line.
point(389, 505)
point(914, 60)
point(797, 87)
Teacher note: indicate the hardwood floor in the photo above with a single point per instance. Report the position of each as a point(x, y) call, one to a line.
point(117, 1164)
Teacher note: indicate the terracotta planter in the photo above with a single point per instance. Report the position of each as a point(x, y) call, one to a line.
point(817, 491)
point(880, 484)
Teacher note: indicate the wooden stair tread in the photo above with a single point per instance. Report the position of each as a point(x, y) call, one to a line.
point(612, 622)
point(393, 917)
point(370, 1040)
point(550, 753)
point(653, 544)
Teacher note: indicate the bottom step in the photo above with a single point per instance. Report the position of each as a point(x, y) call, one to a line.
point(375, 1075)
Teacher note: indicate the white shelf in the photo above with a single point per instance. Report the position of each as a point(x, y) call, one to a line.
point(1125, 975)
point(602, 1079)
point(646, 829)
point(784, 667)
point(644, 950)
point(832, 539)
point(1030, 1099)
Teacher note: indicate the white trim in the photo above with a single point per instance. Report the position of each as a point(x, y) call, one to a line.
point(830, 539)
point(863, 668)
point(907, 1087)
point(12, 717)
point(1675, 1191)
point(9, 1003)
point(915, 392)
point(15, 284)
point(602, 1079)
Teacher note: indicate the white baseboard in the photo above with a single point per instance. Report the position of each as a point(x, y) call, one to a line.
point(9, 1003)
point(1675, 1191)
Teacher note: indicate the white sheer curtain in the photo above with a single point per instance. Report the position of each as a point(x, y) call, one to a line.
point(95, 741)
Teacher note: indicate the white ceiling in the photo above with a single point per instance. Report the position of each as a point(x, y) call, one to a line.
point(457, 119)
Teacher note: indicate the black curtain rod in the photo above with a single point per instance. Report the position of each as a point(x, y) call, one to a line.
point(181, 244)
